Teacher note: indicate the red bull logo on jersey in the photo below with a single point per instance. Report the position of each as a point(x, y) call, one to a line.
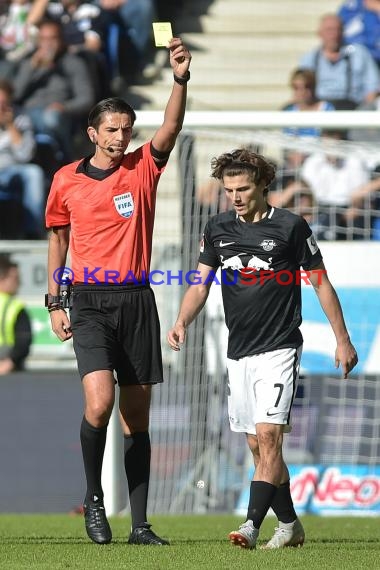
point(254, 263)
point(233, 262)
point(124, 204)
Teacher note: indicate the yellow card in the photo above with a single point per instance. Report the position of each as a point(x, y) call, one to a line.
point(162, 33)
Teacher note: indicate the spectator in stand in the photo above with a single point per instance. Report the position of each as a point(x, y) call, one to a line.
point(346, 74)
point(54, 87)
point(17, 147)
point(134, 20)
point(361, 24)
point(18, 33)
point(15, 37)
point(334, 180)
point(351, 13)
point(84, 27)
point(366, 199)
point(302, 82)
point(348, 201)
point(83, 23)
point(16, 330)
point(298, 198)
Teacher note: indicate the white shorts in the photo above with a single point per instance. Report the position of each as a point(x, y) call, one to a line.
point(262, 388)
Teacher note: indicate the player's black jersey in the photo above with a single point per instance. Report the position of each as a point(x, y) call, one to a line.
point(261, 277)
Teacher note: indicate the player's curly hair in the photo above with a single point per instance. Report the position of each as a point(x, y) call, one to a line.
point(243, 161)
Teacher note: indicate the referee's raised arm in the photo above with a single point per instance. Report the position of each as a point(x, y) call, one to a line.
point(165, 137)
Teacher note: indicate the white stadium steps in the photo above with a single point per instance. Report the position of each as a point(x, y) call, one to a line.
point(243, 52)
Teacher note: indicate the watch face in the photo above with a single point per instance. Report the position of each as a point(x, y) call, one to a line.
point(51, 299)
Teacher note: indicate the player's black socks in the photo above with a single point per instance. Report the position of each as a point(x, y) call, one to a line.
point(260, 499)
point(93, 441)
point(282, 504)
point(137, 469)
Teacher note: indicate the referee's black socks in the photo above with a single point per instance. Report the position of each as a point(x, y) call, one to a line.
point(93, 441)
point(137, 453)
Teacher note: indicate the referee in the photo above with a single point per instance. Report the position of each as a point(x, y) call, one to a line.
point(260, 250)
point(102, 208)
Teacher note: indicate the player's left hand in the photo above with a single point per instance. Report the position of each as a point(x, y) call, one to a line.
point(346, 357)
point(180, 57)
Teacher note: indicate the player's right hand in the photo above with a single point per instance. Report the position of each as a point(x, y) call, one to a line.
point(176, 336)
point(60, 325)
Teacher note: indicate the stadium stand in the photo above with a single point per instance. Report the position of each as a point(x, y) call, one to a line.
point(244, 51)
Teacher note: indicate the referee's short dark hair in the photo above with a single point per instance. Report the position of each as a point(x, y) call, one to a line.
point(110, 105)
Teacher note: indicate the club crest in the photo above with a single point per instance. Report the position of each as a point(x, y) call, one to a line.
point(124, 204)
point(268, 244)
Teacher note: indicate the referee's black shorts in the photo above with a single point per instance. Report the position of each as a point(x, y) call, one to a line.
point(116, 327)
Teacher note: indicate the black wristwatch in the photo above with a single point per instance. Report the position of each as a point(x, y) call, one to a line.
point(182, 80)
point(52, 300)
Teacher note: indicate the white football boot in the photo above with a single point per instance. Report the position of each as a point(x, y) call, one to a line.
point(287, 534)
point(246, 536)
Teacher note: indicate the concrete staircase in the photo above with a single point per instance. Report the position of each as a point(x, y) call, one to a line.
point(243, 52)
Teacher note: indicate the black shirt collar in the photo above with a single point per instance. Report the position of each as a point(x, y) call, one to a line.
point(85, 167)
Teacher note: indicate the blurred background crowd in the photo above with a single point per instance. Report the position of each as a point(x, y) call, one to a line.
point(57, 58)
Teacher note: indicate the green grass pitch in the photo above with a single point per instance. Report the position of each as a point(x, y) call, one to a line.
point(59, 542)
